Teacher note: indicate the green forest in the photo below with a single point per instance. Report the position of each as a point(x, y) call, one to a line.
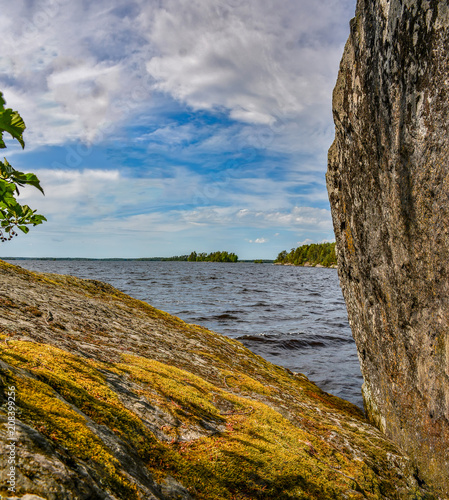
point(213, 257)
point(199, 257)
point(314, 254)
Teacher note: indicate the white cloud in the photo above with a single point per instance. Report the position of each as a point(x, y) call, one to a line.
point(307, 241)
point(104, 200)
point(261, 60)
point(95, 212)
point(92, 63)
point(77, 197)
point(259, 240)
point(297, 218)
point(71, 67)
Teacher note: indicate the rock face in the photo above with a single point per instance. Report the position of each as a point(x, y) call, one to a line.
point(388, 184)
point(117, 400)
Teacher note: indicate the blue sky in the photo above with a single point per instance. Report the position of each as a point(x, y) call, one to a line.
point(166, 126)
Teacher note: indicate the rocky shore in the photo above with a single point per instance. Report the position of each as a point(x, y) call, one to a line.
point(307, 264)
point(114, 399)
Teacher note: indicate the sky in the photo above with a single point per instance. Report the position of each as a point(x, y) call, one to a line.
point(160, 127)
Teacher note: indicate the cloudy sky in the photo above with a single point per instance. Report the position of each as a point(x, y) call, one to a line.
point(159, 127)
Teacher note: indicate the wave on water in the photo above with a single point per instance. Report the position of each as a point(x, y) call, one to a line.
point(219, 317)
point(294, 340)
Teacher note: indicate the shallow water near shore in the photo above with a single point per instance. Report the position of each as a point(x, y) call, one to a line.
point(292, 316)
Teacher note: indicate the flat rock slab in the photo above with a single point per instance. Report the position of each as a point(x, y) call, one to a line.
point(114, 399)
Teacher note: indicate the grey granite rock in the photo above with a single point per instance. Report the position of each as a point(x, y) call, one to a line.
point(388, 184)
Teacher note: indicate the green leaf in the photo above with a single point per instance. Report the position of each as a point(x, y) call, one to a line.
point(5, 169)
point(32, 180)
point(38, 219)
point(26, 211)
point(12, 213)
point(11, 122)
point(7, 172)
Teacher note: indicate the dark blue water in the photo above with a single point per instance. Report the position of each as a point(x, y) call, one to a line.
point(292, 316)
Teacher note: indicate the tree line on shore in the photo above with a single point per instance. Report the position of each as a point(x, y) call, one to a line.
point(199, 257)
point(314, 254)
point(213, 257)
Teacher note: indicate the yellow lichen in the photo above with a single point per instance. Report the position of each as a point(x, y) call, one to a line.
point(349, 240)
point(184, 395)
point(244, 383)
point(39, 407)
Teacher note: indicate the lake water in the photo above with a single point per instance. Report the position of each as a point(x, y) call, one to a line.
point(292, 316)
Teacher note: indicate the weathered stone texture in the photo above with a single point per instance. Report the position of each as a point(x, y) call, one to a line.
point(388, 184)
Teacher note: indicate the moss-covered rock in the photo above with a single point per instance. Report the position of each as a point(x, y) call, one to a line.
point(117, 400)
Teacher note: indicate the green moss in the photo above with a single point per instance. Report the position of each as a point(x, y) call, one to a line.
point(80, 383)
point(245, 384)
point(181, 393)
point(258, 454)
point(39, 408)
point(261, 455)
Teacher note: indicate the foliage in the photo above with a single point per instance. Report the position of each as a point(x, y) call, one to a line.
point(182, 258)
point(316, 253)
point(12, 213)
point(213, 257)
point(197, 257)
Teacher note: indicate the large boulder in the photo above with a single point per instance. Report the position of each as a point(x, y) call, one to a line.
point(388, 184)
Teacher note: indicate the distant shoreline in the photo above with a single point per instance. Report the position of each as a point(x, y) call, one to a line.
point(148, 259)
point(166, 259)
point(306, 264)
